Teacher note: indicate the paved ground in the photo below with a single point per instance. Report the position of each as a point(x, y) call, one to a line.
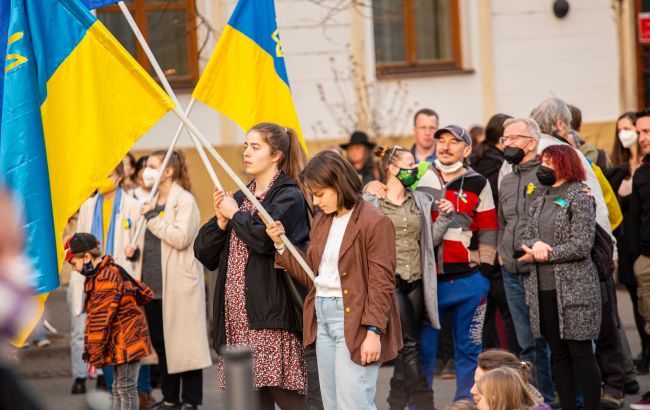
point(47, 371)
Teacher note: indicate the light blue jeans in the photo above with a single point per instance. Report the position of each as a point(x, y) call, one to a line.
point(344, 384)
point(77, 328)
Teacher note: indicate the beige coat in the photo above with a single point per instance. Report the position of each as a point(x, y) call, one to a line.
point(184, 309)
point(129, 211)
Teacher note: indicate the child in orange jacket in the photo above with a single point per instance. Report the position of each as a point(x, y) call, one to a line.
point(116, 329)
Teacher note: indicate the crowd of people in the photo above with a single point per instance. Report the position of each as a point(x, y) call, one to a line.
point(493, 254)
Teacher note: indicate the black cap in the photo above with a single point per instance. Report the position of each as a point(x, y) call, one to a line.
point(359, 137)
point(80, 242)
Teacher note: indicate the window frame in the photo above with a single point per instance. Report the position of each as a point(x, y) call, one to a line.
point(413, 66)
point(140, 10)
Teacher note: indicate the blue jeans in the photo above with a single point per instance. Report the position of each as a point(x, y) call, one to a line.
point(343, 383)
point(533, 350)
point(466, 298)
point(144, 378)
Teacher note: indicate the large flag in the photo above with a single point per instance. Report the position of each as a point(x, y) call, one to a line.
point(246, 78)
point(95, 4)
point(74, 102)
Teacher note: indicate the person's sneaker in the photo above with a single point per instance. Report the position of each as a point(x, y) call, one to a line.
point(145, 400)
point(609, 401)
point(79, 386)
point(166, 405)
point(101, 383)
point(449, 371)
point(631, 387)
point(643, 404)
point(43, 343)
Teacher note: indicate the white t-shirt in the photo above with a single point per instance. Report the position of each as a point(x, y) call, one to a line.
point(328, 282)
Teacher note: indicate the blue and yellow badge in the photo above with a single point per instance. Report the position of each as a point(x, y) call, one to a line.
point(561, 202)
point(461, 195)
point(126, 223)
point(530, 188)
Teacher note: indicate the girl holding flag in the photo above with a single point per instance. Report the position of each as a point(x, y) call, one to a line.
point(255, 304)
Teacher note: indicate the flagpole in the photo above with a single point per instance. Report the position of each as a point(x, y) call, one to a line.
point(172, 94)
point(196, 134)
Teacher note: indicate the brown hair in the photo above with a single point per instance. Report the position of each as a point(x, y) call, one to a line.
point(505, 389)
point(461, 405)
point(425, 111)
point(495, 358)
point(179, 165)
point(94, 252)
point(286, 141)
point(576, 117)
point(388, 155)
point(328, 169)
point(493, 132)
point(620, 154)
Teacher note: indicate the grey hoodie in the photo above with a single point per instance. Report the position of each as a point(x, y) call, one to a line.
point(518, 191)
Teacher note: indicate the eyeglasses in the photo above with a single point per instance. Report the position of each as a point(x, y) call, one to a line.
point(507, 138)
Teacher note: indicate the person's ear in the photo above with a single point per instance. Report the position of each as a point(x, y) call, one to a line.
point(276, 156)
point(87, 257)
point(467, 152)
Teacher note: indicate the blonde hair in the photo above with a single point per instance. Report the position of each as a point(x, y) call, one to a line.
point(505, 389)
point(461, 405)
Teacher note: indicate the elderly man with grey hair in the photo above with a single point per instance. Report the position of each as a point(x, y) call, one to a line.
point(518, 190)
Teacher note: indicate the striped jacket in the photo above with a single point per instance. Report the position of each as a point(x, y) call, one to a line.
point(471, 239)
point(116, 328)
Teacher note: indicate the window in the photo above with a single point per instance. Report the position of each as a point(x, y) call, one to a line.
point(169, 26)
point(416, 36)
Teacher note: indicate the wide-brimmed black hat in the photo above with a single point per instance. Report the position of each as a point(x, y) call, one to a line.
point(359, 137)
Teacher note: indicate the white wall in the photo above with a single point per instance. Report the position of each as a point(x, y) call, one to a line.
point(538, 56)
point(535, 56)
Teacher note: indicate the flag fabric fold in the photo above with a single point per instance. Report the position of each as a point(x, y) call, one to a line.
point(95, 4)
point(246, 77)
point(74, 102)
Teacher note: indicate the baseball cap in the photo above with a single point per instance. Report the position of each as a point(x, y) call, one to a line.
point(80, 242)
point(459, 133)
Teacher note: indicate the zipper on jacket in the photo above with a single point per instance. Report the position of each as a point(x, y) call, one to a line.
point(516, 222)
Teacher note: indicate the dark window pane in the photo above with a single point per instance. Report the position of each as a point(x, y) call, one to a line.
point(388, 19)
point(433, 30)
point(168, 40)
point(118, 26)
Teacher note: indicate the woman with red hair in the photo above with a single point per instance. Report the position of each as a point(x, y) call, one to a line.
point(562, 289)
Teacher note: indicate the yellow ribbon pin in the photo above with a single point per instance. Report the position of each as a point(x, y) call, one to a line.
point(531, 188)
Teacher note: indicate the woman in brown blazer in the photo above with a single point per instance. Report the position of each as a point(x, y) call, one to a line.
point(351, 310)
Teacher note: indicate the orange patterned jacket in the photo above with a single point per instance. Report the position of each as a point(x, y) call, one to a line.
point(116, 328)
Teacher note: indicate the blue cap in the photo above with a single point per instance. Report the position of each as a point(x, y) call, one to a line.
point(459, 133)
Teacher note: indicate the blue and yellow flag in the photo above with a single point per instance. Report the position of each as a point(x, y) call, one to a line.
point(74, 102)
point(95, 4)
point(246, 78)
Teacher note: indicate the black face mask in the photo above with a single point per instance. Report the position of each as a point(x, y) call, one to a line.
point(514, 155)
point(87, 268)
point(546, 175)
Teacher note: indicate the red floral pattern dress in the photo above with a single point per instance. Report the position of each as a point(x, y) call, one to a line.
point(278, 356)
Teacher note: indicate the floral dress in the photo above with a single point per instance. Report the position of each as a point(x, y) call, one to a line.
point(278, 356)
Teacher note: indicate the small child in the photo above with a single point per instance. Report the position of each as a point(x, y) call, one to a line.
point(116, 329)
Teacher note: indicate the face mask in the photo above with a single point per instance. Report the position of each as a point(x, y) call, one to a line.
point(17, 307)
point(514, 155)
point(87, 268)
point(546, 175)
point(628, 138)
point(448, 169)
point(408, 177)
point(149, 176)
point(107, 186)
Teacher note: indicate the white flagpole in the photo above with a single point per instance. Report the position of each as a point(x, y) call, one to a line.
point(170, 91)
point(197, 135)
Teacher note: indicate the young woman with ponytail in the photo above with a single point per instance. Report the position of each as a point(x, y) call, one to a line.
point(415, 276)
point(254, 304)
point(176, 316)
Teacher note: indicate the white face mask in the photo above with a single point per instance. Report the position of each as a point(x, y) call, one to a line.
point(628, 137)
point(149, 176)
point(448, 169)
point(16, 303)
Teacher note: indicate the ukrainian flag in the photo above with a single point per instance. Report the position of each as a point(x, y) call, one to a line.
point(74, 102)
point(246, 78)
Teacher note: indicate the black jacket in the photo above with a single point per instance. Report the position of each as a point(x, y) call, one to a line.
point(640, 211)
point(269, 304)
point(615, 176)
point(489, 165)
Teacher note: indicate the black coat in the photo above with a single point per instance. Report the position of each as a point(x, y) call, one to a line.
point(489, 166)
point(269, 303)
point(615, 176)
point(640, 211)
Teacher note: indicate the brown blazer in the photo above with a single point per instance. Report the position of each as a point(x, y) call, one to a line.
point(367, 268)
